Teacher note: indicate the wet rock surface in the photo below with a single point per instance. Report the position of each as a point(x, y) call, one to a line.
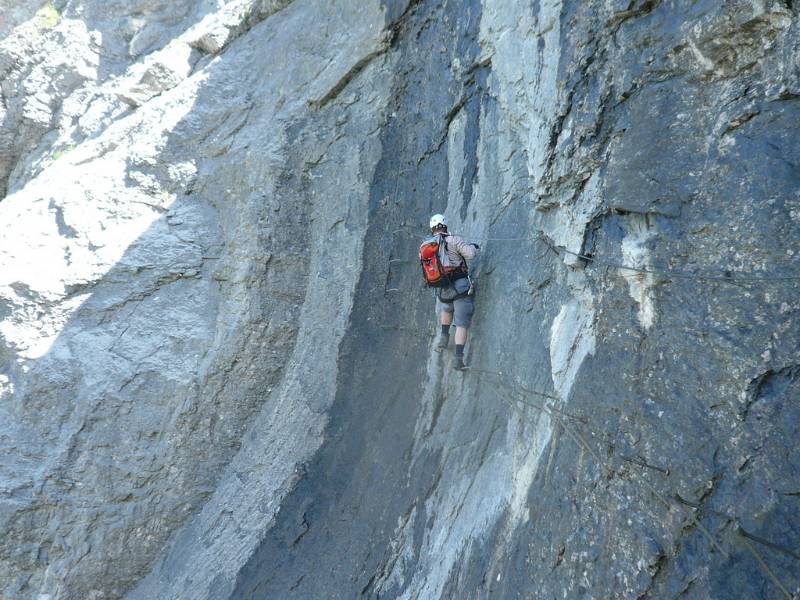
point(217, 376)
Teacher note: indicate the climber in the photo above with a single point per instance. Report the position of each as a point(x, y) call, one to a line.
point(456, 297)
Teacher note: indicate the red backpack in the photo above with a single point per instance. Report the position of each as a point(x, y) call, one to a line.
point(434, 273)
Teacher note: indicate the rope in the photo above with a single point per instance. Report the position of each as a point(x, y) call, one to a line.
point(677, 500)
point(639, 461)
point(535, 393)
point(744, 533)
point(553, 412)
point(524, 416)
point(581, 441)
point(738, 526)
point(765, 567)
point(605, 437)
point(726, 276)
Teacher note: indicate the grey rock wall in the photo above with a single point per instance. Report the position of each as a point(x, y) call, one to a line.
point(216, 366)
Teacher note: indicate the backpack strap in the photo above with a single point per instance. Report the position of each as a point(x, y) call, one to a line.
point(462, 267)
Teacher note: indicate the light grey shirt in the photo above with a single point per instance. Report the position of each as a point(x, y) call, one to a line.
point(457, 251)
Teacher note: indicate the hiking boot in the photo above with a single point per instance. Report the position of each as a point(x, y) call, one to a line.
point(458, 364)
point(442, 344)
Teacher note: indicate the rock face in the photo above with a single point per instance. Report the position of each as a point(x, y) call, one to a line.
point(216, 366)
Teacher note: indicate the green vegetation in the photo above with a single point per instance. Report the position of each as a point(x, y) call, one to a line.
point(60, 153)
point(48, 16)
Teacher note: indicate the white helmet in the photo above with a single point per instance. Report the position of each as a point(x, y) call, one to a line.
point(438, 221)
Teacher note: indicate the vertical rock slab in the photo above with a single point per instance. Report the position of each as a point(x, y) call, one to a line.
point(170, 306)
point(331, 149)
point(223, 384)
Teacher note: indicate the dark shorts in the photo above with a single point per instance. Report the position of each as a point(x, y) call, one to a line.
point(463, 307)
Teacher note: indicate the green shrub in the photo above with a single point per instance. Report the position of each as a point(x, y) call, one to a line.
point(60, 153)
point(48, 16)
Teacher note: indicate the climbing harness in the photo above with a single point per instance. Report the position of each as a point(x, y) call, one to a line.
point(562, 418)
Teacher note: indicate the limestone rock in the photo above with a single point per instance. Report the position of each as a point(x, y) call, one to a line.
point(217, 376)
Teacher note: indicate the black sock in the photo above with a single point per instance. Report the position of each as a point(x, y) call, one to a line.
point(460, 350)
point(445, 330)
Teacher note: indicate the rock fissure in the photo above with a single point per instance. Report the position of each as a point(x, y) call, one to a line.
point(215, 350)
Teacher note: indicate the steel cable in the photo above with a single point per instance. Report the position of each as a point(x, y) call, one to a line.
point(677, 501)
point(725, 276)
